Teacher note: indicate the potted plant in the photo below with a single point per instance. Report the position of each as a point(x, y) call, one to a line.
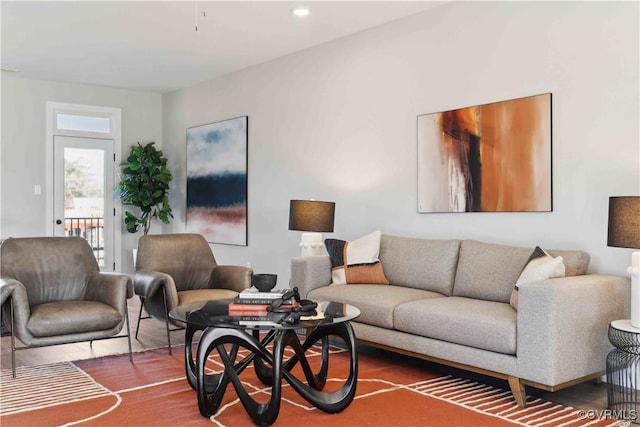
point(144, 183)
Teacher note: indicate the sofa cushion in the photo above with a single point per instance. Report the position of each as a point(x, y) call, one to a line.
point(356, 261)
point(488, 271)
point(486, 325)
point(540, 266)
point(420, 263)
point(376, 303)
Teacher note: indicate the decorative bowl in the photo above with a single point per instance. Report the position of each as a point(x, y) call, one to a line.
point(264, 282)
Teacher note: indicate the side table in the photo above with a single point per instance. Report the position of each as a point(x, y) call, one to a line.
point(623, 371)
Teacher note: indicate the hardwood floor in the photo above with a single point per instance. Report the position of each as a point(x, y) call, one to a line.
point(587, 396)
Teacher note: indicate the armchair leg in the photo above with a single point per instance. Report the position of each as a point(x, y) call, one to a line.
point(126, 318)
point(166, 319)
point(140, 316)
point(13, 340)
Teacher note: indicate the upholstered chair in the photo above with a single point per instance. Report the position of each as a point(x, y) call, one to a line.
point(179, 269)
point(52, 292)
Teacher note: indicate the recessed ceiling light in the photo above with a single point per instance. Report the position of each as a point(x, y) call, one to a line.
point(300, 11)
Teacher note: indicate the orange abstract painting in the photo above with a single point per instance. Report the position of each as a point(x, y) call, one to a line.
point(488, 158)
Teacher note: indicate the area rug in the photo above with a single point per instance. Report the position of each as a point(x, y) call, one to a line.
point(153, 391)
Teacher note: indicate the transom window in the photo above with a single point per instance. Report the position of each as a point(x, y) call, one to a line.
point(83, 123)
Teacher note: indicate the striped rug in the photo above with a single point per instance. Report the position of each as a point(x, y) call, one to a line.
point(152, 391)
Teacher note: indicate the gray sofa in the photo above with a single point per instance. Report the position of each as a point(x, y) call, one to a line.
point(448, 302)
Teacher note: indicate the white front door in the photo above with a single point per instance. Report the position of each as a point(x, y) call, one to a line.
point(83, 193)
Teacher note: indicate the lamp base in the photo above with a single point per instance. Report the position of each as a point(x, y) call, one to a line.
point(312, 244)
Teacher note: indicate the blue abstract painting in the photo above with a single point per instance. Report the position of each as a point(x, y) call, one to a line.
point(217, 181)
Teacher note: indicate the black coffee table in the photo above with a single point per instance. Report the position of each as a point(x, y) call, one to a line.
point(227, 334)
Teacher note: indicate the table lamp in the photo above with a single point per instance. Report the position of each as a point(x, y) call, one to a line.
point(313, 217)
point(624, 232)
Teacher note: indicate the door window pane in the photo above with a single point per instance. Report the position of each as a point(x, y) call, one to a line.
point(83, 123)
point(84, 197)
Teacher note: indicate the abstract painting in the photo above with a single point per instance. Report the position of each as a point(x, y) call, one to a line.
point(217, 181)
point(487, 158)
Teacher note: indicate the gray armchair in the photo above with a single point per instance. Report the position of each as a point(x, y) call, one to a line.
point(52, 292)
point(179, 269)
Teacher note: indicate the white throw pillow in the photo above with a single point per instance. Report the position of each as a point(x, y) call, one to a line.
point(539, 266)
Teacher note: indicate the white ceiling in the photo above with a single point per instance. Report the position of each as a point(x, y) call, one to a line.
point(154, 45)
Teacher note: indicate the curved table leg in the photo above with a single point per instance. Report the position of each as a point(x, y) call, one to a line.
point(263, 372)
point(189, 363)
point(330, 402)
point(211, 388)
point(209, 401)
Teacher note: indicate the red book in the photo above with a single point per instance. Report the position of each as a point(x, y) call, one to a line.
point(247, 307)
point(249, 315)
point(253, 309)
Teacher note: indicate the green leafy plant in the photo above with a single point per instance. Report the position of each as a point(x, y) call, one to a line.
point(144, 183)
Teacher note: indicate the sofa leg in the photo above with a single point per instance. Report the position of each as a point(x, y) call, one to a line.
point(517, 388)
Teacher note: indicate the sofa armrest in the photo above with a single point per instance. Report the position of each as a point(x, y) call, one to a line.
point(563, 325)
point(308, 273)
point(234, 277)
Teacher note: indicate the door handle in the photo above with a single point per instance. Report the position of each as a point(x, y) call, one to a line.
point(58, 221)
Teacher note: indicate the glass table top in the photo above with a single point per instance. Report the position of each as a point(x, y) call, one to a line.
point(216, 314)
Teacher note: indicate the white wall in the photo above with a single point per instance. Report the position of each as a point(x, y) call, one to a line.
point(338, 122)
point(23, 153)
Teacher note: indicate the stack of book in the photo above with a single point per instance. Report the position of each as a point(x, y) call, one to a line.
point(252, 303)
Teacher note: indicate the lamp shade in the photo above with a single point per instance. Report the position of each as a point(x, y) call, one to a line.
point(624, 222)
point(311, 215)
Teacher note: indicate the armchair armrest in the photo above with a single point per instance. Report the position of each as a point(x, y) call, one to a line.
point(308, 273)
point(110, 288)
point(147, 283)
point(563, 323)
point(14, 289)
point(11, 288)
point(232, 277)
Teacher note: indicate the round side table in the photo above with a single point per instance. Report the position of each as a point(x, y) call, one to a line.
point(623, 370)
